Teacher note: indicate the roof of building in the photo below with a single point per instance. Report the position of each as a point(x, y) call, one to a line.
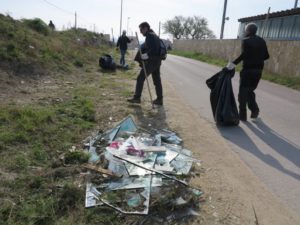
point(290, 12)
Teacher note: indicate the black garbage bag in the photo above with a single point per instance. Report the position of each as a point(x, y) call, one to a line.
point(138, 58)
point(107, 62)
point(222, 99)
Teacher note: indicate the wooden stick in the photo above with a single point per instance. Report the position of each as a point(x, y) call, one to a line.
point(99, 170)
point(145, 72)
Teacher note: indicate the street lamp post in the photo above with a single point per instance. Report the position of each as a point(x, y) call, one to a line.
point(296, 4)
point(121, 17)
point(128, 18)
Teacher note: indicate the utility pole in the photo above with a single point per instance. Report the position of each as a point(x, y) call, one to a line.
point(112, 34)
point(223, 19)
point(121, 17)
point(296, 4)
point(75, 21)
point(159, 29)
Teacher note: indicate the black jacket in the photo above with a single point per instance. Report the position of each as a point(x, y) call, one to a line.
point(152, 45)
point(254, 52)
point(122, 42)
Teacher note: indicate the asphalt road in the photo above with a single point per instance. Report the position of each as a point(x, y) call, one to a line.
point(269, 145)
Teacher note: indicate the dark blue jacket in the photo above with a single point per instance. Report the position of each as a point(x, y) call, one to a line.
point(122, 42)
point(152, 45)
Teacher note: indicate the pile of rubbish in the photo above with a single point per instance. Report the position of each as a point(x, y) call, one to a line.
point(141, 172)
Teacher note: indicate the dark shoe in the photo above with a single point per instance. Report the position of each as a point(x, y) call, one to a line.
point(158, 101)
point(134, 100)
point(254, 114)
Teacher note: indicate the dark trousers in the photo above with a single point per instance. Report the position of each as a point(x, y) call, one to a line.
point(122, 59)
point(152, 67)
point(249, 80)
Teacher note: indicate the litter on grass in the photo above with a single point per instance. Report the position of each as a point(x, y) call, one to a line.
point(144, 172)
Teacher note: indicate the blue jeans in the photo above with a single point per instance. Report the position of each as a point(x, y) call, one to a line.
point(122, 60)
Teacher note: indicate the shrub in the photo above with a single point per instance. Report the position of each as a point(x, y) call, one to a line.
point(38, 25)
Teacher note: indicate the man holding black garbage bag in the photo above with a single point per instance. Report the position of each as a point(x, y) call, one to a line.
point(254, 53)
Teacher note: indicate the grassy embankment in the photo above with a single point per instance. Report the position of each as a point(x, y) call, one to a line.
point(40, 180)
point(289, 81)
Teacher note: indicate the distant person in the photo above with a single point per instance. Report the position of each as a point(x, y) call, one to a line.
point(51, 25)
point(254, 53)
point(151, 57)
point(122, 44)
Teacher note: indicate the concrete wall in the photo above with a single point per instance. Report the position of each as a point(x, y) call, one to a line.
point(284, 55)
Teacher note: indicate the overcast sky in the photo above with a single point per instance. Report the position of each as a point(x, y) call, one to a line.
point(105, 14)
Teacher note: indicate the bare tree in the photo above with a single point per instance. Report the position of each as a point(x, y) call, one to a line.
point(174, 26)
point(188, 27)
point(201, 30)
point(195, 27)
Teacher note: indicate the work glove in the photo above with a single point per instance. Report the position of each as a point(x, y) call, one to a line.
point(230, 66)
point(144, 56)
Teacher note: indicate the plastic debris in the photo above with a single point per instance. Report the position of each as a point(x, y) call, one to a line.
point(93, 155)
point(170, 137)
point(180, 201)
point(134, 201)
point(136, 164)
point(197, 192)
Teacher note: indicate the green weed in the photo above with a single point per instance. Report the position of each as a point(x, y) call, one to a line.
point(289, 81)
point(70, 198)
point(76, 157)
point(37, 210)
point(200, 57)
point(38, 154)
point(127, 93)
point(78, 63)
point(38, 25)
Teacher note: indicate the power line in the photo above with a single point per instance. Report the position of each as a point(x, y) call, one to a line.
point(66, 11)
point(63, 10)
point(71, 13)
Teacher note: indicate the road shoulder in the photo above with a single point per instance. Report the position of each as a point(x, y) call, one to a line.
point(234, 194)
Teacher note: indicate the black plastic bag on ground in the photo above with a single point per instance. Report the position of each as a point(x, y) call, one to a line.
point(107, 62)
point(222, 99)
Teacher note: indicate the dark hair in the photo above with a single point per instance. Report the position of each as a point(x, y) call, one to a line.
point(251, 28)
point(143, 25)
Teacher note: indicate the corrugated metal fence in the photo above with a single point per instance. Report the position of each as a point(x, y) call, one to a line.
point(284, 28)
